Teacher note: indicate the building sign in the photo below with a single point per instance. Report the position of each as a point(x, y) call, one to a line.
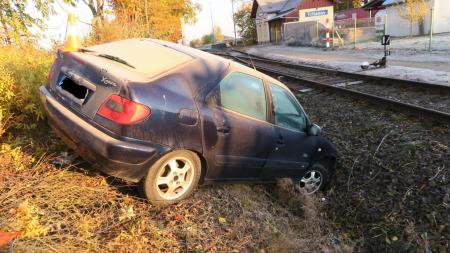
point(316, 13)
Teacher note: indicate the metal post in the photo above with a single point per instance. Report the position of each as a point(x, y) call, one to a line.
point(327, 32)
point(234, 23)
point(333, 34)
point(431, 28)
point(354, 35)
point(385, 24)
point(317, 30)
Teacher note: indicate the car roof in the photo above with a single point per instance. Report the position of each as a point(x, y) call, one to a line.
point(211, 58)
point(242, 68)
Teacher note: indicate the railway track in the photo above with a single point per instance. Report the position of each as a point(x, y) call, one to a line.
point(424, 100)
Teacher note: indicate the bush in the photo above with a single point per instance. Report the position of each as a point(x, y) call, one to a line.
point(22, 71)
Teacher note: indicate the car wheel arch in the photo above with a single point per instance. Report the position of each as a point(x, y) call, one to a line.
point(203, 164)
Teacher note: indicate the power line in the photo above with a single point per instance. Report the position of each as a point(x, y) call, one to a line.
point(84, 22)
point(61, 23)
point(62, 7)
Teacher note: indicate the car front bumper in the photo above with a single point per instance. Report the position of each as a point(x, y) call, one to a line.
point(122, 158)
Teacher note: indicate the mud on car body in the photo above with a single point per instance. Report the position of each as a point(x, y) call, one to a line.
point(171, 117)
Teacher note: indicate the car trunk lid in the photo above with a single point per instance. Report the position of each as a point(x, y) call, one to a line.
point(84, 80)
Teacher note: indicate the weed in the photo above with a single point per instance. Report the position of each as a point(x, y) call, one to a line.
point(22, 71)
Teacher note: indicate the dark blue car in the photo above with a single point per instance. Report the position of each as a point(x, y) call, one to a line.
point(171, 117)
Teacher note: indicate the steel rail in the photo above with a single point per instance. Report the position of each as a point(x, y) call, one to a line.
point(352, 75)
point(422, 112)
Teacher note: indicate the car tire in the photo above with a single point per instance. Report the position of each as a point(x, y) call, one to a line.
point(315, 178)
point(172, 178)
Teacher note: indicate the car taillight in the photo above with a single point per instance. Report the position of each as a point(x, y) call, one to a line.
point(123, 111)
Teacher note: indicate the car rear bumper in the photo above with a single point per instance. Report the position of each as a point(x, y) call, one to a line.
point(124, 159)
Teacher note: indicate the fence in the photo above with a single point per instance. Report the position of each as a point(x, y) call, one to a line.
point(353, 31)
point(304, 34)
point(347, 32)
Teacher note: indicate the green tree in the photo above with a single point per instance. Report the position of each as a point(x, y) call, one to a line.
point(245, 24)
point(207, 39)
point(195, 43)
point(18, 17)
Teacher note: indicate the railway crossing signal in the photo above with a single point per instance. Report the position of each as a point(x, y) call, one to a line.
point(386, 40)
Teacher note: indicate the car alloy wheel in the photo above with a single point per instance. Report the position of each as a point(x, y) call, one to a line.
point(174, 178)
point(311, 181)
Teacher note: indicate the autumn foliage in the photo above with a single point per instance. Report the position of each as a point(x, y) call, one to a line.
point(245, 24)
point(160, 19)
point(413, 11)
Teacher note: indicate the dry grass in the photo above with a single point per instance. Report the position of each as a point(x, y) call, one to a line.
point(73, 209)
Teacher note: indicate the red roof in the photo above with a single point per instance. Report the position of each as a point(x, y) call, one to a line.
point(347, 14)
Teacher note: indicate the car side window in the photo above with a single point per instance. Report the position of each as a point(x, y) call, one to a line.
point(242, 93)
point(287, 111)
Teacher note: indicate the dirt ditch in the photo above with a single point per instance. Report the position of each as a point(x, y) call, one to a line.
point(391, 190)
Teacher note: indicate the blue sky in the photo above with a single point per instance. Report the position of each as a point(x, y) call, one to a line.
point(220, 10)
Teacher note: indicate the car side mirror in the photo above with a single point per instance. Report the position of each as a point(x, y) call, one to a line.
point(314, 130)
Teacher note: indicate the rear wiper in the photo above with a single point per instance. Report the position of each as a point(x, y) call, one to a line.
point(107, 56)
point(115, 58)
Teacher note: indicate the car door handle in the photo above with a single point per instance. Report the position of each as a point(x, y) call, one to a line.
point(280, 141)
point(223, 129)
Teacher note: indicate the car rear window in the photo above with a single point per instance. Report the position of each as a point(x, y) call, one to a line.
point(148, 58)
